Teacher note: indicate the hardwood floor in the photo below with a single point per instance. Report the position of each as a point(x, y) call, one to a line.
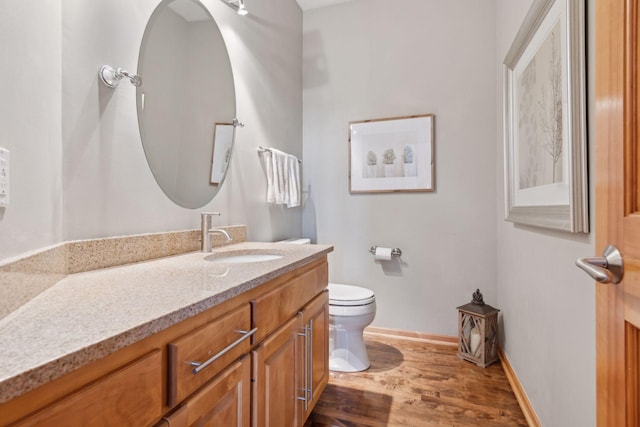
point(412, 383)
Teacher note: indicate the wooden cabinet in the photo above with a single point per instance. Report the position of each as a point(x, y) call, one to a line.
point(291, 367)
point(224, 401)
point(275, 383)
point(129, 396)
point(289, 364)
point(314, 352)
point(259, 358)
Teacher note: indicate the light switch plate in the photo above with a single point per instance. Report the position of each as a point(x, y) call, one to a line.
point(4, 177)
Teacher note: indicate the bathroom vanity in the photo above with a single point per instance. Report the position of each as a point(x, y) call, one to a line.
point(175, 341)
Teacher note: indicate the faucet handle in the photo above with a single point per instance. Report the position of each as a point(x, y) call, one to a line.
point(205, 218)
point(205, 221)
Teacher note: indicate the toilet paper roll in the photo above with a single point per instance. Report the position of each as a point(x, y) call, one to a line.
point(383, 254)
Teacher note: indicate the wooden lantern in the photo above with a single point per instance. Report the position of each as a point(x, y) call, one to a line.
point(478, 332)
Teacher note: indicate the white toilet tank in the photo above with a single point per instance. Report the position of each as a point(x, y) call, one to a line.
point(296, 241)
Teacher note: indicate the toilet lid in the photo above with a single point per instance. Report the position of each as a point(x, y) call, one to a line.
point(349, 295)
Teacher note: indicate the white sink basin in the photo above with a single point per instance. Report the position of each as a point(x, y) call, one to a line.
point(241, 259)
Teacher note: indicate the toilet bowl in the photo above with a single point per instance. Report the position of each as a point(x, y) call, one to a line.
point(351, 309)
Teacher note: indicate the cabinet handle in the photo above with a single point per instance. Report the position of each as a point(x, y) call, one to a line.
point(310, 357)
point(305, 389)
point(200, 366)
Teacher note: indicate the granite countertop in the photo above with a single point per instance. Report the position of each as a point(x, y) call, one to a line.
point(87, 316)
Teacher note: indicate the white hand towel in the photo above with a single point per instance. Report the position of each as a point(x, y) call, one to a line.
point(293, 171)
point(283, 178)
point(268, 166)
point(279, 161)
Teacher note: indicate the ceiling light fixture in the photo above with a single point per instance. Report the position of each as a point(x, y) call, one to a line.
point(237, 5)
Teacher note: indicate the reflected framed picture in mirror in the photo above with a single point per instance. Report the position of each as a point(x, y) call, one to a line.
point(221, 153)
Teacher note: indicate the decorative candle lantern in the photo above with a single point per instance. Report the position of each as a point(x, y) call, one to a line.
point(478, 332)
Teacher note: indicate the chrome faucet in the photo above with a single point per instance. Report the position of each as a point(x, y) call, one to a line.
point(206, 231)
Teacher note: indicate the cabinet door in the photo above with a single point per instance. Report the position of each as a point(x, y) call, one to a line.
point(315, 369)
point(274, 379)
point(225, 401)
point(129, 396)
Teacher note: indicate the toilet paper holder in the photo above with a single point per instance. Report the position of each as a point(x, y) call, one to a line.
point(394, 251)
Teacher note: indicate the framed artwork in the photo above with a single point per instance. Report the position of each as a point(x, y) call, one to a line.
point(544, 119)
point(221, 153)
point(391, 155)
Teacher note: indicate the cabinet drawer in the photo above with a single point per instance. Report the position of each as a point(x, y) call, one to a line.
point(129, 396)
point(202, 344)
point(274, 308)
point(224, 401)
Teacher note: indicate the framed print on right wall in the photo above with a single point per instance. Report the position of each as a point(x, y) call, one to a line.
point(544, 119)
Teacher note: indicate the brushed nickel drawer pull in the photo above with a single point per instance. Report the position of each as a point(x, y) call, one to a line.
point(305, 387)
point(310, 387)
point(200, 366)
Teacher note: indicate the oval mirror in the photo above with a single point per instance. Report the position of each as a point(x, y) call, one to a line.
point(186, 103)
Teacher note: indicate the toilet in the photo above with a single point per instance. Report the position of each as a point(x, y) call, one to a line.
point(351, 309)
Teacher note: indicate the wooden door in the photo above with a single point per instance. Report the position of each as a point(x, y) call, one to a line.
point(618, 210)
point(225, 401)
point(314, 346)
point(274, 382)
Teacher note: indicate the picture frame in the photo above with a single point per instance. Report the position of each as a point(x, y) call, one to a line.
point(221, 151)
point(392, 154)
point(544, 119)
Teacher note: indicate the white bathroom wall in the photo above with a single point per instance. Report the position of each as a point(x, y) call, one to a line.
point(548, 305)
point(108, 187)
point(30, 93)
point(266, 53)
point(369, 59)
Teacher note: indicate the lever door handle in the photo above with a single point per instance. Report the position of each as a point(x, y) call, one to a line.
point(609, 268)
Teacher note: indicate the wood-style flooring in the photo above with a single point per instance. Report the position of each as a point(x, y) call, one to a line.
point(414, 383)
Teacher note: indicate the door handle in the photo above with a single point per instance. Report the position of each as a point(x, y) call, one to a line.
point(609, 268)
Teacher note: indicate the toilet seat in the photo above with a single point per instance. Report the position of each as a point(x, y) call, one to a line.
point(348, 296)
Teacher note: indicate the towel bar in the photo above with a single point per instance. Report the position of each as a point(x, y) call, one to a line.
point(262, 149)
